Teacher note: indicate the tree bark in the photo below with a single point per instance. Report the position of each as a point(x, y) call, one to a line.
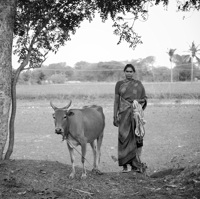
point(192, 69)
point(171, 72)
point(7, 14)
point(12, 117)
point(13, 111)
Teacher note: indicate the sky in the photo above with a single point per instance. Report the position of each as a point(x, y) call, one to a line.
point(164, 29)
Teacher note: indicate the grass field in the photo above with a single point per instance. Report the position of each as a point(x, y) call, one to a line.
point(175, 90)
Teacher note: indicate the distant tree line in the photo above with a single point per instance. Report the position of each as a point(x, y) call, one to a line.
point(110, 71)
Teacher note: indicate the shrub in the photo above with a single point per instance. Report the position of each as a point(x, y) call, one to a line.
point(57, 79)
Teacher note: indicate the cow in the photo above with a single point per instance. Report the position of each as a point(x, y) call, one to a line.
point(79, 127)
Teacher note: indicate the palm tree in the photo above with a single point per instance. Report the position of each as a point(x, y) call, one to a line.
point(171, 55)
point(194, 50)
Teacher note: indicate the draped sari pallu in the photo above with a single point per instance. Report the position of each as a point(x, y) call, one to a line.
point(131, 121)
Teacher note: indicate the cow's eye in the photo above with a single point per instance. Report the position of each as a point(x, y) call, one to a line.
point(65, 117)
point(53, 116)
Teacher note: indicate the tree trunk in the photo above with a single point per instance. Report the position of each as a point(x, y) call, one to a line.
point(192, 70)
point(171, 72)
point(14, 106)
point(13, 113)
point(7, 14)
point(12, 118)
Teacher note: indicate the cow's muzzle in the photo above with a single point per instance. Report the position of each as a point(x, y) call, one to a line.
point(58, 131)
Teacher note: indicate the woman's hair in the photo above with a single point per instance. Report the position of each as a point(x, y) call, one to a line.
point(129, 66)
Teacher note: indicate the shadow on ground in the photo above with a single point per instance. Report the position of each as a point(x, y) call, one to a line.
point(49, 179)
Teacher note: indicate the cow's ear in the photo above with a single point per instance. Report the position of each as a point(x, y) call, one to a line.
point(70, 113)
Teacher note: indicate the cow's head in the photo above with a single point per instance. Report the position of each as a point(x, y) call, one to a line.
point(61, 118)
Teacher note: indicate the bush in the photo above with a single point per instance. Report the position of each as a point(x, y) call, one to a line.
point(57, 79)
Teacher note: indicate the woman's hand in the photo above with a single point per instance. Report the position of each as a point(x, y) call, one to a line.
point(143, 103)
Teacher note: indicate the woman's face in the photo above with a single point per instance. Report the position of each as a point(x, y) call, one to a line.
point(129, 73)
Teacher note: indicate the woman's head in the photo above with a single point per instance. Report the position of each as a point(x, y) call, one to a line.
point(129, 71)
point(129, 66)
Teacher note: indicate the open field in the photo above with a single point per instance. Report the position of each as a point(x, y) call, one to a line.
point(93, 90)
point(171, 130)
point(40, 163)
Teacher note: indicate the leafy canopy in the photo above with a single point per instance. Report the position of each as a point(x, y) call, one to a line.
point(44, 26)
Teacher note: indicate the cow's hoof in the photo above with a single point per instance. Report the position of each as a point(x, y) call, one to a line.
point(83, 176)
point(97, 171)
point(71, 176)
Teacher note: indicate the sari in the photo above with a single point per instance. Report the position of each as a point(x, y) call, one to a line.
point(128, 141)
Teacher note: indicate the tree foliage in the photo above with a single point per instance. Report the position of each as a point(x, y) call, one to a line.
point(189, 5)
point(44, 26)
point(111, 71)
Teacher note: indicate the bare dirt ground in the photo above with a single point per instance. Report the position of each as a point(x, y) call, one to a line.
point(40, 164)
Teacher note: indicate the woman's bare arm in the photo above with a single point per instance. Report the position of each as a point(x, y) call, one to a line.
point(116, 105)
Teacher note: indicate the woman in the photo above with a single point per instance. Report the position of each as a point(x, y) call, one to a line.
point(129, 144)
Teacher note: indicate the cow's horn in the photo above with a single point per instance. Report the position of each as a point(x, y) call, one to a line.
point(69, 104)
point(54, 107)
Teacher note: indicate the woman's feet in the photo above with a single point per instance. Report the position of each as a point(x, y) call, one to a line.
point(133, 168)
point(125, 169)
point(141, 169)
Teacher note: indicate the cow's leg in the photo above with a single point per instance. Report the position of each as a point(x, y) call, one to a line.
point(98, 154)
point(99, 143)
point(94, 150)
point(83, 149)
point(71, 152)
